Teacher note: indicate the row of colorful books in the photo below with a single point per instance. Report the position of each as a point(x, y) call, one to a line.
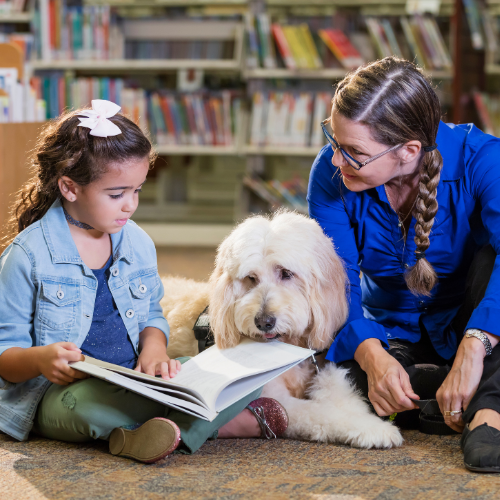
point(297, 46)
point(196, 119)
point(165, 49)
point(488, 109)
point(12, 6)
point(204, 118)
point(65, 31)
point(289, 119)
point(422, 35)
point(19, 101)
point(25, 41)
point(290, 193)
point(483, 27)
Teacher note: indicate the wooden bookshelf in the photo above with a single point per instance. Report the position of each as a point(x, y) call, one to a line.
point(134, 65)
point(492, 69)
point(281, 150)
point(16, 17)
point(16, 140)
point(187, 150)
point(258, 159)
point(186, 235)
point(165, 3)
point(320, 74)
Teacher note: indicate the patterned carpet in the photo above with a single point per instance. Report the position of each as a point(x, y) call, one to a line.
point(427, 467)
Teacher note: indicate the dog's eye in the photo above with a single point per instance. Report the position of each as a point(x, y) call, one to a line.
point(252, 279)
point(286, 274)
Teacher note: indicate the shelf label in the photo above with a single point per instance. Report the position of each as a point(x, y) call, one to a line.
point(423, 6)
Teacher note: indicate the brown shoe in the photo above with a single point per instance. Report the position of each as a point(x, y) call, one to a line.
point(271, 417)
point(152, 441)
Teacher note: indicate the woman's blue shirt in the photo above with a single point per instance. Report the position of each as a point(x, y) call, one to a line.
point(365, 232)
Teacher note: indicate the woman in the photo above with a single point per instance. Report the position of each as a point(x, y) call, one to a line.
point(414, 205)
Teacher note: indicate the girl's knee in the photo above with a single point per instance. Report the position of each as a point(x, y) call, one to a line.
point(78, 411)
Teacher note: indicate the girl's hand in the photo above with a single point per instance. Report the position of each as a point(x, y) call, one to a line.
point(462, 381)
point(153, 362)
point(53, 362)
point(389, 388)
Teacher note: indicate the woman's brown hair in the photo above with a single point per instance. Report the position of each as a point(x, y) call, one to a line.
point(397, 102)
point(65, 149)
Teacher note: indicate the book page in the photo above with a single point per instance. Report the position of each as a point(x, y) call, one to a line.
point(213, 370)
point(140, 388)
point(143, 377)
point(236, 390)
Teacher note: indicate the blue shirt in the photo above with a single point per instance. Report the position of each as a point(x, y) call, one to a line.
point(108, 338)
point(48, 294)
point(365, 232)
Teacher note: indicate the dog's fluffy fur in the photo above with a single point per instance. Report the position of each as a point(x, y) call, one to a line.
point(284, 268)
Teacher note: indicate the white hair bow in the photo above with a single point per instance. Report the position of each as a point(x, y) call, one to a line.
point(97, 118)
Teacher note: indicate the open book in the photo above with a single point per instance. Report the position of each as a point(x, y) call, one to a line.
point(211, 381)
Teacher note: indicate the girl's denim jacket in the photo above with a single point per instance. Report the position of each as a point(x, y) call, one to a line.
point(47, 295)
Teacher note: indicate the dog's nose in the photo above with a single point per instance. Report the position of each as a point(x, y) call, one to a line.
point(265, 322)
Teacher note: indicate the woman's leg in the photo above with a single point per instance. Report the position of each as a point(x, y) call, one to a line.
point(481, 437)
point(487, 397)
point(91, 408)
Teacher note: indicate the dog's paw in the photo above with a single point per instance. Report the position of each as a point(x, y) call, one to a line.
point(382, 435)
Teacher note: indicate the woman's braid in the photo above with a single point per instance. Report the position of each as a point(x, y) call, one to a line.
point(422, 277)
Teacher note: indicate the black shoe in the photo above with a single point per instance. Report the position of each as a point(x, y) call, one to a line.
point(481, 447)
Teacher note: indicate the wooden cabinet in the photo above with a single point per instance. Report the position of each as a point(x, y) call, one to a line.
point(16, 143)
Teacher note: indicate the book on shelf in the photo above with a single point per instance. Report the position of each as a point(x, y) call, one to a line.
point(422, 35)
point(322, 110)
point(283, 46)
point(379, 37)
point(291, 193)
point(483, 110)
point(252, 43)
point(209, 382)
point(13, 6)
point(284, 118)
point(472, 13)
point(390, 36)
point(18, 99)
point(68, 32)
point(491, 32)
point(342, 48)
point(266, 47)
point(415, 49)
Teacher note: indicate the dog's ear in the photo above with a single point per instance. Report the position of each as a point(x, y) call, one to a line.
point(221, 310)
point(328, 299)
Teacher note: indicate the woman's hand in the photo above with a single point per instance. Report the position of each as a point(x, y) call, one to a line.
point(389, 388)
point(462, 381)
point(153, 358)
point(53, 359)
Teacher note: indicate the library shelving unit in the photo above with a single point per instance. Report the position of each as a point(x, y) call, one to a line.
point(16, 17)
point(204, 183)
point(492, 62)
point(15, 140)
point(319, 74)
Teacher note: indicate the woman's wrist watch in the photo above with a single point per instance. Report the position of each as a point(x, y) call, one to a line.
point(480, 335)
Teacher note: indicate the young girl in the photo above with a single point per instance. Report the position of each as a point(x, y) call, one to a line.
point(81, 278)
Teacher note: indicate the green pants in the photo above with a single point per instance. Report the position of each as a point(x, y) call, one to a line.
point(91, 408)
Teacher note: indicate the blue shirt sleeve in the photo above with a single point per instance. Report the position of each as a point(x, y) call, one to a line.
point(327, 207)
point(156, 318)
point(18, 301)
point(484, 179)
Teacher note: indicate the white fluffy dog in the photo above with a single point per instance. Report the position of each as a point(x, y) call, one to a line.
point(280, 278)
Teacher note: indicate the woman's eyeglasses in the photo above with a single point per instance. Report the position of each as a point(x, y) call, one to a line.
point(348, 158)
